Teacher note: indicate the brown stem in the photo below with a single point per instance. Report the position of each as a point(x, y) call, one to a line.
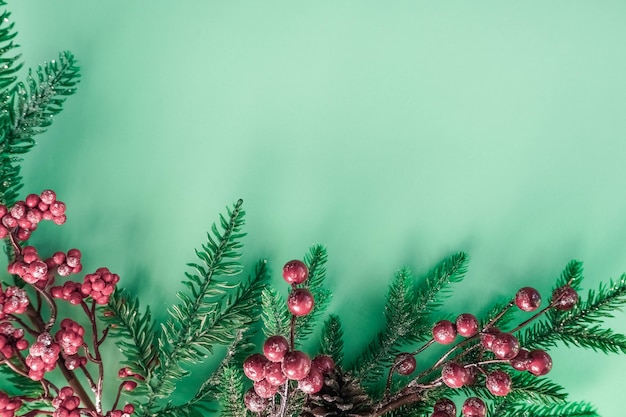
point(499, 315)
point(404, 398)
point(535, 316)
point(16, 246)
point(292, 332)
point(31, 331)
point(423, 348)
point(53, 309)
point(117, 397)
point(91, 314)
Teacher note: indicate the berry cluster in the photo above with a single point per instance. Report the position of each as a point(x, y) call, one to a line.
point(30, 267)
point(66, 404)
point(280, 362)
point(100, 285)
point(8, 405)
point(70, 336)
point(42, 357)
point(12, 301)
point(11, 340)
point(24, 216)
point(125, 412)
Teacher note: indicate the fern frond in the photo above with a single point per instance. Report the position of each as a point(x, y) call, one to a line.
point(134, 332)
point(29, 112)
point(184, 338)
point(331, 342)
point(315, 260)
point(274, 313)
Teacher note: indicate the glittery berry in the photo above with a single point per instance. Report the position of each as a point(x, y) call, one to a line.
point(254, 367)
point(70, 336)
point(505, 346)
point(274, 373)
point(253, 402)
point(275, 348)
point(264, 389)
point(312, 383)
point(296, 365)
point(405, 364)
point(444, 332)
point(539, 362)
point(498, 383)
point(466, 325)
point(8, 405)
point(295, 272)
point(521, 361)
point(474, 407)
point(564, 298)
point(486, 337)
point(300, 302)
point(445, 405)
point(324, 363)
point(454, 375)
point(528, 299)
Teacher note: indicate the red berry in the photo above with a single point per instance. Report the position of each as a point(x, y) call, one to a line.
point(405, 364)
point(498, 383)
point(129, 385)
point(521, 361)
point(505, 346)
point(295, 272)
point(254, 367)
point(564, 298)
point(48, 197)
point(467, 325)
point(445, 405)
point(540, 363)
point(296, 365)
point(444, 332)
point(324, 363)
point(129, 409)
point(474, 407)
point(312, 383)
point(454, 375)
point(253, 402)
point(528, 299)
point(264, 389)
point(274, 373)
point(300, 302)
point(486, 337)
point(275, 348)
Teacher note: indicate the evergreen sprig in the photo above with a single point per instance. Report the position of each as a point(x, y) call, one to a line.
point(331, 342)
point(134, 332)
point(571, 409)
point(274, 313)
point(579, 326)
point(230, 398)
point(29, 111)
point(9, 65)
point(525, 388)
point(186, 335)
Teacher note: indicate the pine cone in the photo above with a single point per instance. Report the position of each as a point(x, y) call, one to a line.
point(341, 396)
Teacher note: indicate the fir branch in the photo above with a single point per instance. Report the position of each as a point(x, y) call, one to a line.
point(9, 66)
point(29, 112)
point(570, 409)
point(134, 332)
point(230, 398)
point(315, 260)
point(572, 275)
point(275, 314)
point(19, 384)
point(371, 363)
point(578, 326)
point(525, 388)
point(184, 337)
point(331, 342)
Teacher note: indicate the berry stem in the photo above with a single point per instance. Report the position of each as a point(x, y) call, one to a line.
point(16, 246)
point(91, 314)
point(92, 384)
point(292, 332)
point(499, 315)
point(534, 317)
point(21, 322)
point(283, 403)
point(423, 348)
point(51, 304)
point(117, 396)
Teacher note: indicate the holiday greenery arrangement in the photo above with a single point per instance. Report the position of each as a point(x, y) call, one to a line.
point(54, 323)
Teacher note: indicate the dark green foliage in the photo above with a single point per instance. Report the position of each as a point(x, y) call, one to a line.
point(525, 388)
point(331, 342)
point(571, 409)
point(572, 275)
point(230, 396)
point(19, 385)
point(579, 326)
point(133, 331)
point(275, 313)
point(315, 260)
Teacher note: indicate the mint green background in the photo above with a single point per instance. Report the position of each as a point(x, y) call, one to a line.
point(393, 132)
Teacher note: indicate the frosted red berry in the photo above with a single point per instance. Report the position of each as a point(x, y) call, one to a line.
point(521, 360)
point(264, 389)
point(48, 197)
point(564, 298)
point(454, 375)
point(527, 299)
point(300, 302)
point(444, 332)
point(466, 325)
point(539, 362)
point(324, 363)
point(405, 364)
point(274, 373)
point(254, 367)
point(440, 414)
point(296, 365)
point(295, 272)
point(70, 336)
point(498, 383)
point(474, 407)
point(505, 346)
point(275, 348)
point(445, 405)
point(254, 402)
point(312, 383)
point(9, 406)
point(487, 337)
point(129, 409)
